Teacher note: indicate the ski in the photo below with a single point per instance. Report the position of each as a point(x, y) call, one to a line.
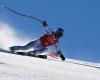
point(23, 54)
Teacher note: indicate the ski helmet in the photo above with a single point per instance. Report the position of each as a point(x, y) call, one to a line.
point(59, 32)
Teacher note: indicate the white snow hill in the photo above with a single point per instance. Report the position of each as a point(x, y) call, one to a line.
point(17, 67)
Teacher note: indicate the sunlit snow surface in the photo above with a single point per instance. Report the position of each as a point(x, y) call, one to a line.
point(16, 67)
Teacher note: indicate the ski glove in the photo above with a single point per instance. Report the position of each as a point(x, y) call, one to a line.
point(61, 55)
point(44, 23)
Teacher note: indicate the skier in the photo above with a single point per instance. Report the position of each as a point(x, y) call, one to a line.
point(40, 45)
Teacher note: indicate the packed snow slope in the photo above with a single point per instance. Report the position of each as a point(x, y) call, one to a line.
point(17, 67)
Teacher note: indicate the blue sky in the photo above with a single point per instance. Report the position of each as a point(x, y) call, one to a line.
point(79, 18)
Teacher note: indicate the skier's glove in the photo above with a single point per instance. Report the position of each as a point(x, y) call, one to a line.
point(44, 23)
point(61, 55)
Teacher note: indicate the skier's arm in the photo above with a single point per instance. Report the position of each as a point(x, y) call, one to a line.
point(45, 25)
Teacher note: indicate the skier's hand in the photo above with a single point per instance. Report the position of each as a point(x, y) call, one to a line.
point(61, 55)
point(44, 23)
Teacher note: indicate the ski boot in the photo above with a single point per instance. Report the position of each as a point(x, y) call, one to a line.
point(42, 56)
point(21, 53)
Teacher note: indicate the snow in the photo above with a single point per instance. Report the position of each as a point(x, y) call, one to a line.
point(17, 67)
point(10, 36)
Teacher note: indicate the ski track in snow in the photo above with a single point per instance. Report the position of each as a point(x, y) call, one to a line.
point(17, 67)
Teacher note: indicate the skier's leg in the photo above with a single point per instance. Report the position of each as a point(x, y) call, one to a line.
point(32, 44)
point(36, 52)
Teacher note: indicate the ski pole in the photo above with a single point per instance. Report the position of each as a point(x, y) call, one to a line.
point(44, 23)
point(21, 13)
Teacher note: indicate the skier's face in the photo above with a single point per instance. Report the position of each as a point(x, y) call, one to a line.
point(59, 35)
